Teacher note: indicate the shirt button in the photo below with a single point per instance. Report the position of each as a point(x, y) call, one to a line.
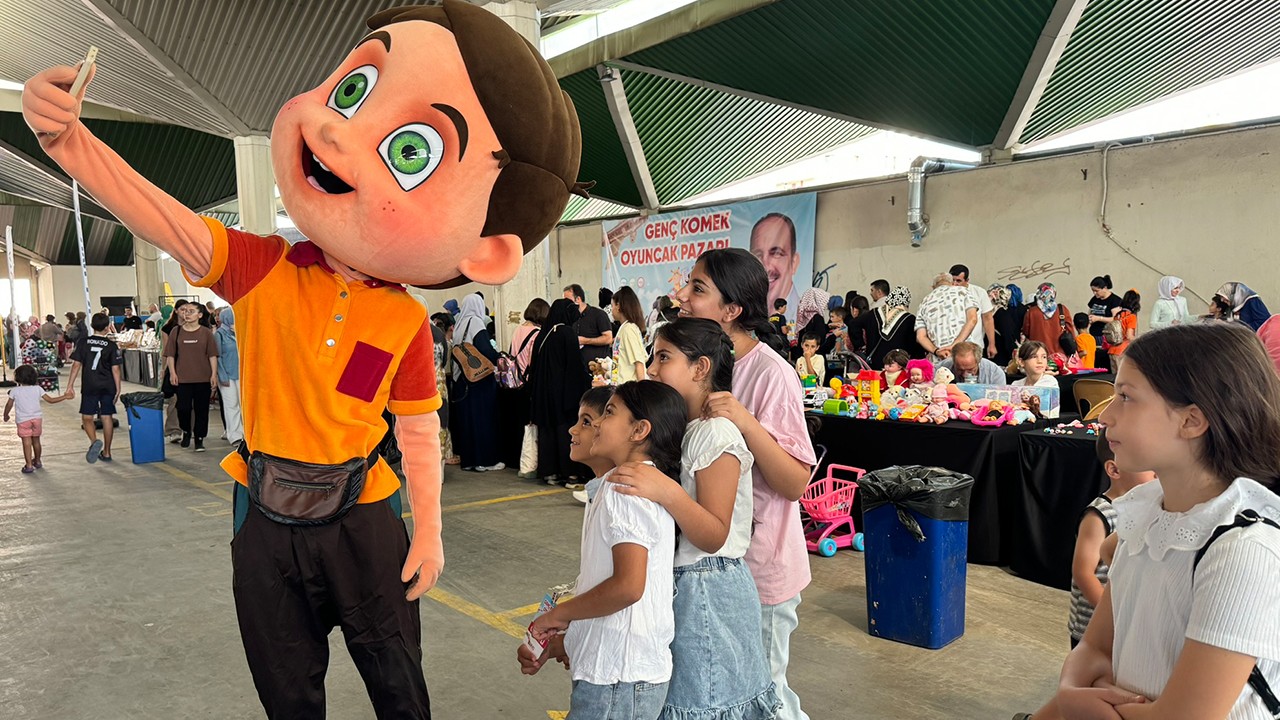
point(337, 318)
point(342, 294)
point(330, 342)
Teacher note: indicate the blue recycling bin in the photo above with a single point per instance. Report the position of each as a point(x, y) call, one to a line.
point(916, 529)
point(145, 413)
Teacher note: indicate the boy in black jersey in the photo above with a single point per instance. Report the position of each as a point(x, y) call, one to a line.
point(100, 359)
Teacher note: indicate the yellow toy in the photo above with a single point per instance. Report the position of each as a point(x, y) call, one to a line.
point(869, 387)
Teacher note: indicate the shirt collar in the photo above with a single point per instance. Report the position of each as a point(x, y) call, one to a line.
point(307, 253)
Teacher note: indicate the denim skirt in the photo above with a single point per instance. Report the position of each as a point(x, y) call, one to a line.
point(719, 671)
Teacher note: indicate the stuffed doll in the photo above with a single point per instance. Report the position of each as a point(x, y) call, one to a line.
point(955, 396)
point(938, 410)
point(919, 373)
point(438, 152)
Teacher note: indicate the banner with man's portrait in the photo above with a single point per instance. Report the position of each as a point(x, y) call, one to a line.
point(654, 255)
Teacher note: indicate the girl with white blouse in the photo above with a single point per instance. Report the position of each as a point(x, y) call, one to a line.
point(718, 663)
point(1189, 626)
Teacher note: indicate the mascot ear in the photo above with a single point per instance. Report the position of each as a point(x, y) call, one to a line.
point(494, 260)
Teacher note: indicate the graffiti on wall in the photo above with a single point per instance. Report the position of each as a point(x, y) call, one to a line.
point(1034, 270)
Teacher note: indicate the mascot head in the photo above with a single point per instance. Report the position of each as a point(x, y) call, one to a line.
point(439, 152)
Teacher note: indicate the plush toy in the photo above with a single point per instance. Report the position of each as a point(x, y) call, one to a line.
point(955, 396)
point(601, 372)
point(439, 151)
point(938, 410)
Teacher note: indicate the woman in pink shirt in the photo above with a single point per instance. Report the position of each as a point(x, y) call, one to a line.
point(731, 287)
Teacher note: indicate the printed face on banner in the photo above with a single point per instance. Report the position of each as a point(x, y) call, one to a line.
point(773, 242)
point(655, 255)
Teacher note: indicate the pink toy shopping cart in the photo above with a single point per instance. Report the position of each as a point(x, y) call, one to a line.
point(828, 508)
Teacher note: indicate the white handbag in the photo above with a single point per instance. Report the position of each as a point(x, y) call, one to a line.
point(529, 452)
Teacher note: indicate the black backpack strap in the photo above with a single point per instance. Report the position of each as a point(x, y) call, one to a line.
point(1257, 681)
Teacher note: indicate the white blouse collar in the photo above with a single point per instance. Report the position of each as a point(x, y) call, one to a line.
point(1144, 524)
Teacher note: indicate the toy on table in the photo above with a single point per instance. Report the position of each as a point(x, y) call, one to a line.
point(938, 411)
point(809, 382)
point(912, 412)
point(868, 387)
point(1030, 412)
point(836, 384)
point(919, 372)
point(955, 396)
point(992, 413)
point(829, 505)
point(835, 407)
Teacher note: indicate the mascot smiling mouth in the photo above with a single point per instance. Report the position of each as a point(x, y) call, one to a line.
point(320, 177)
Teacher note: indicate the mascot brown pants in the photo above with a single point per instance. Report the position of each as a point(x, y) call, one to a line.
point(293, 585)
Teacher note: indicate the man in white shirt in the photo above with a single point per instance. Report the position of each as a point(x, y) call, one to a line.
point(986, 311)
point(947, 315)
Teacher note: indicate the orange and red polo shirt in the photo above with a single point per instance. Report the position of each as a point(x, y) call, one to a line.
point(321, 358)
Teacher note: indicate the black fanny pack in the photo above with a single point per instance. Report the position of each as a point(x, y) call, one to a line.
point(292, 492)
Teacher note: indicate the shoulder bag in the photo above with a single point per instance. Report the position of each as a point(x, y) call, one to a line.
point(473, 365)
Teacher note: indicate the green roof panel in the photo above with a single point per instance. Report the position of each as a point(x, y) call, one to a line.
point(940, 68)
point(1125, 53)
point(697, 139)
point(603, 159)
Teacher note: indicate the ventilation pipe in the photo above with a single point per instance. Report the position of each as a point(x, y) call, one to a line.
point(917, 220)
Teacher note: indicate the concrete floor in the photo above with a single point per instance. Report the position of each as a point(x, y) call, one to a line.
point(115, 602)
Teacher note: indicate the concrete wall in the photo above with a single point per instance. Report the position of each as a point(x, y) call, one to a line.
point(1203, 209)
point(68, 286)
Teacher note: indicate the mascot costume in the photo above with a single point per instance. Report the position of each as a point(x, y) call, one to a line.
point(439, 152)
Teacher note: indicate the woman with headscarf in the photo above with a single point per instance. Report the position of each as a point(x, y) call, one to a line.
point(1048, 319)
point(1171, 308)
point(229, 376)
point(473, 405)
point(892, 326)
point(1007, 323)
point(558, 377)
point(1242, 304)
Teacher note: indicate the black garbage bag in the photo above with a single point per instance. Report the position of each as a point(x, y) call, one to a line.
point(934, 492)
point(151, 400)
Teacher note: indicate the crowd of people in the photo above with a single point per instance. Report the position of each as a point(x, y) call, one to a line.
point(715, 373)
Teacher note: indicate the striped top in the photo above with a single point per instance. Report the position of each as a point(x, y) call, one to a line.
point(1081, 610)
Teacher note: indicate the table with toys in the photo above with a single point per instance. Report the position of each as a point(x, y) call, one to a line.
point(862, 426)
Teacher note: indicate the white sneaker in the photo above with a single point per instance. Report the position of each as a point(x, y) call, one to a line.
point(489, 468)
point(580, 496)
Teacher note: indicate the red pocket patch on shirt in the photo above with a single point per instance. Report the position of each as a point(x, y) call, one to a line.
point(364, 372)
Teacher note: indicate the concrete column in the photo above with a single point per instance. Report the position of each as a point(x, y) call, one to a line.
point(255, 184)
point(533, 280)
point(146, 267)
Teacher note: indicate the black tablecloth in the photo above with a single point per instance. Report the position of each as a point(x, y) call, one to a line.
point(990, 455)
point(1061, 475)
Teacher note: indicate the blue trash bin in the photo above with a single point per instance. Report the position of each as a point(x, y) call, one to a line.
point(916, 529)
point(145, 413)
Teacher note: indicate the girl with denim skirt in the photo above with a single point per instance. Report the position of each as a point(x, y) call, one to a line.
point(620, 623)
point(731, 287)
point(719, 666)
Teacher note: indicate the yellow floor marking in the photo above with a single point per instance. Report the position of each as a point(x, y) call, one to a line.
point(521, 611)
point(228, 482)
point(494, 501)
point(195, 481)
point(475, 612)
point(557, 714)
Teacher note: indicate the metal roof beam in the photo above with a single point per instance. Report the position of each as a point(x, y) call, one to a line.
point(145, 45)
point(11, 101)
point(681, 21)
point(697, 82)
point(89, 205)
point(615, 96)
point(1044, 60)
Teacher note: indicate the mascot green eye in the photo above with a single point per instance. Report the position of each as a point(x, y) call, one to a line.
point(412, 153)
point(352, 90)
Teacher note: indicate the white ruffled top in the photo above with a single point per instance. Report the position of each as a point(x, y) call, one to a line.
point(1144, 524)
point(1230, 601)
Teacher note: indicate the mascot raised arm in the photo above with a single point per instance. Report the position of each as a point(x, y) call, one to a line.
point(438, 152)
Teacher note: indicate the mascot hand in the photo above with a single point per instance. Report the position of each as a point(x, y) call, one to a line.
point(419, 438)
point(47, 106)
point(422, 567)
